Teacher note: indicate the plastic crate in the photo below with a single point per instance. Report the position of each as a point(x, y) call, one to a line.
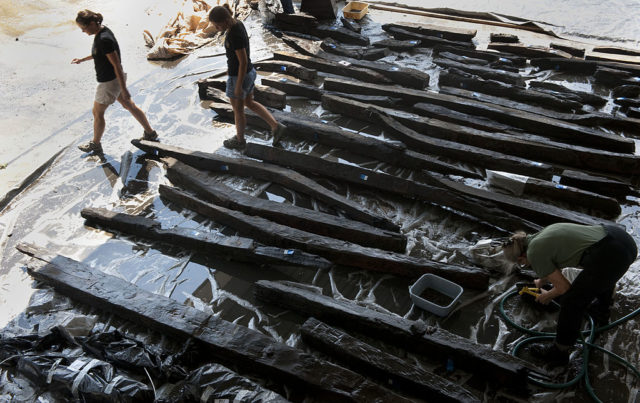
point(437, 283)
point(355, 10)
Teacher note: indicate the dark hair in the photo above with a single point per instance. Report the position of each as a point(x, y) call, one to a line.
point(86, 17)
point(221, 14)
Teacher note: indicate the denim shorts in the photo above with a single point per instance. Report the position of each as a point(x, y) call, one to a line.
point(247, 85)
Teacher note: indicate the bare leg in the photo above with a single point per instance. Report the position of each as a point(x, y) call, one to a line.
point(136, 113)
point(98, 121)
point(239, 117)
point(260, 111)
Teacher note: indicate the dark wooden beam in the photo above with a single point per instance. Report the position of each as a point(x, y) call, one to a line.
point(203, 185)
point(426, 40)
point(484, 72)
point(340, 252)
point(436, 343)
point(289, 68)
point(230, 343)
point(388, 369)
point(449, 33)
point(272, 173)
point(234, 248)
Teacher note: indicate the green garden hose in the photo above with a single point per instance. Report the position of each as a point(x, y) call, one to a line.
point(588, 345)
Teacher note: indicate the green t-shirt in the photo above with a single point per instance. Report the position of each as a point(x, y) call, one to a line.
point(560, 245)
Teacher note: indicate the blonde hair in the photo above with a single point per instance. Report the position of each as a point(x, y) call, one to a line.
point(514, 247)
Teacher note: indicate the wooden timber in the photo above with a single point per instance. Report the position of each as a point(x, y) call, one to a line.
point(354, 52)
point(478, 203)
point(529, 51)
point(523, 145)
point(322, 132)
point(577, 52)
point(431, 192)
point(457, 151)
point(434, 342)
point(583, 119)
point(459, 79)
point(597, 184)
point(235, 248)
point(351, 25)
point(317, 222)
point(560, 90)
point(449, 33)
point(266, 95)
point(332, 67)
point(486, 73)
point(519, 185)
point(301, 23)
point(633, 113)
point(283, 176)
point(616, 50)
point(339, 252)
point(608, 57)
point(532, 123)
point(426, 40)
point(503, 38)
point(387, 368)
point(224, 341)
point(574, 66)
point(289, 68)
point(404, 76)
point(503, 64)
point(612, 77)
point(305, 48)
point(491, 56)
point(396, 45)
point(629, 91)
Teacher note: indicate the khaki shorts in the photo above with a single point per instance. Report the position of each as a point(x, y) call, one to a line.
point(108, 92)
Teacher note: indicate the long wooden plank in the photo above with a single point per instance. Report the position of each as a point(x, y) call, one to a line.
point(302, 23)
point(529, 122)
point(436, 343)
point(339, 252)
point(467, 199)
point(486, 73)
point(529, 51)
point(584, 119)
point(388, 368)
point(597, 184)
point(450, 33)
point(404, 76)
point(266, 95)
point(459, 79)
point(431, 193)
point(289, 68)
point(317, 222)
point(317, 131)
point(426, 40)
point(491, 56)
point(522, 145)
point(235, 248)
point(230, 343)
point(519, 185)
point(332, 67)
point(370, 53)
point(283, 176)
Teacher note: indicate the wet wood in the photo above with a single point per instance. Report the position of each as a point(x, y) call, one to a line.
point(612, 77)
point(616, 50)
point(318, 131)
point(265, 95)
point(332, 67)
point(503, 38)
point(577, 52)
point(309, 47)
point(608, 207)
point(434, 342)
point(224, 341)
point(286, 177)
point(516, 144)
point(234, 248)
point(562, 91)
point(469, 82)
point(398, 46)
point(351, 25)
point(583, 119)
point(486, 73)
point(612, 58)
point(426, 40)
point(289, 68)
point(574, 66)
point(291, 87)
point(339, 252)
point(359, 53)
point(633, 113)
point(630, 91)
point(597, 184)
point(384, 367)
point(206, 188)
point(304, 24)
point(532, 123)
point(461, 152)
point(529, 51)
point(491, 56)
point(432, 191)
point(449, 33)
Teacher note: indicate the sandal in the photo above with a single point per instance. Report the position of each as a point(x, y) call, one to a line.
point(91, 147)
point(152, 136)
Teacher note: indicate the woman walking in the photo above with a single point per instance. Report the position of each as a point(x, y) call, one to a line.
point(603, 252)
point(105, 54)
point(241, 76)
